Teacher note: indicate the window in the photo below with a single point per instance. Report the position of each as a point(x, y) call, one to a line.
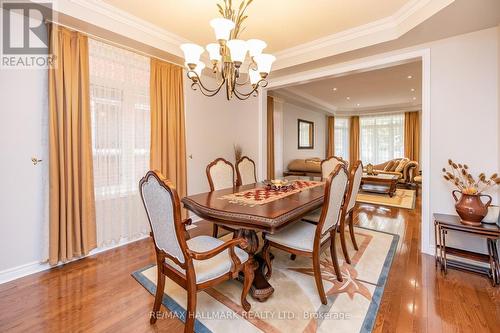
point(119, 102)
point(341, 138)
point(381, 138)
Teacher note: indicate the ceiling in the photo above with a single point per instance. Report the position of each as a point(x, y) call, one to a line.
point(281, 23)
point(386, 89)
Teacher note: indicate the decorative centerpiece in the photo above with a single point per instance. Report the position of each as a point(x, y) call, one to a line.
point(279, 185)
point(469, 206)
point(369, 169)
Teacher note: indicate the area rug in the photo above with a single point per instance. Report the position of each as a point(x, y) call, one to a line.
point(295, 305)
point(401, 199)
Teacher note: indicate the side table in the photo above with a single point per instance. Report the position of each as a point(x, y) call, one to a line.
point(443, 223)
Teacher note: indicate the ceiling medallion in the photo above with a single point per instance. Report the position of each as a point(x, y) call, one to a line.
point(228, 55)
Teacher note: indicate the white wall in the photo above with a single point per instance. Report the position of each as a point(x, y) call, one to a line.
point(213, 126)
point(464, 112)
point(291, 113)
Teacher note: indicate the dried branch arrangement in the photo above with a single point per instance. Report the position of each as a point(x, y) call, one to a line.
point(459, 175)
point(237, 152)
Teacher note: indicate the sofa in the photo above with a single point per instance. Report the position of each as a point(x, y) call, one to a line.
point(310, 167)
point(403, 167)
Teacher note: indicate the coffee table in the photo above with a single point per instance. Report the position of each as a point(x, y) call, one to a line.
point(379, 183)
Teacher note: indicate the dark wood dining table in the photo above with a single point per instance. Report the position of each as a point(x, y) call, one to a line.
point(248, 220)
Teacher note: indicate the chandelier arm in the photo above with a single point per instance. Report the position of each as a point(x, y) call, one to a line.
point(243, 96)
point(198, 82)
point(207, 93)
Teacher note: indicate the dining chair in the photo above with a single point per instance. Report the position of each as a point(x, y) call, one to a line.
point(220, 175)
point(194, 264)
point(245, 171)
point(329, 164)
point(307, 239)
point(355, 175)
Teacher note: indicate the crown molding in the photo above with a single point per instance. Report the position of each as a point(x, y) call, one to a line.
point(302, 100)
point(392, 27)
point(106, 16)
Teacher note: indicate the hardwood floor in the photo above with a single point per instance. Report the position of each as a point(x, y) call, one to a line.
point(97, 294)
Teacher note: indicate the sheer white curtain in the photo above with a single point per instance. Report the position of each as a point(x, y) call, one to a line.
point(341, 138)
point(382, 137)
point(119, 97)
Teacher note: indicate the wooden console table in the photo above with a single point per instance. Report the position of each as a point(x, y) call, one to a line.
point(443, 223)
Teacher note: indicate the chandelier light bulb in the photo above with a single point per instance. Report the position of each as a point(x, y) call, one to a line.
point(254, 76)
point(255, 46)
point(264, 63)
point(238, 50)
point(192, 53)
point(214, 52)
point(222, 28)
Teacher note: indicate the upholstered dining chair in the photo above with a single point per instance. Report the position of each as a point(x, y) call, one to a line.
point(194, 264)
point(355, 175)
point(220, 175)
point(307, 239)
point(245, 171)
point(329, 164)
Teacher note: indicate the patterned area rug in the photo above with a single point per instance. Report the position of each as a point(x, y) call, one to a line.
point(295, 305)
point(401, 199)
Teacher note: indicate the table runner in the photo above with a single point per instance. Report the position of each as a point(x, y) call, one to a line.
point(264, 195)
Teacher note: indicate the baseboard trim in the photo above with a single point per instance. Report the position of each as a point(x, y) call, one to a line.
point(18, 272)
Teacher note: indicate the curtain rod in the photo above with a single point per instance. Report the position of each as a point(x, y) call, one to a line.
point(128, 48)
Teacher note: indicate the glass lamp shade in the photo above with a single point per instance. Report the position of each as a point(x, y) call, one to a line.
point(214, 52)
point(238, 49)
point(222, 28)
point(198, 69)
point(255, 46)
point(264, 62)
point(192, 53)
point(254, 76)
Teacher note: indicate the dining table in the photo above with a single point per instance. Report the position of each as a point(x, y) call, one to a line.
point(254, 219)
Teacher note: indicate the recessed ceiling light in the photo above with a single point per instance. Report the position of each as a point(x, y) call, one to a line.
point(348, 98)
point(334, 89)
point(358, 104)
point(412, 89)
point(414, 98)
point(410, 77)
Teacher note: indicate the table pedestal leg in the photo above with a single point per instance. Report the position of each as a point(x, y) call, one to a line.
point(261, 290)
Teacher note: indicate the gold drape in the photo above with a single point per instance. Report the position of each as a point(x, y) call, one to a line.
point(412, 136)
point(168, 138)
point(270, 137)
point(330, 136)
point(72, 227)
point(354, 140)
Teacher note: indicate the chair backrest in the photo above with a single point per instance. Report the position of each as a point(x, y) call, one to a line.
point(162, 205)
point(356, 173)
point(220, 174)
point(334, 199)
point(245, 171)
point(329, 164)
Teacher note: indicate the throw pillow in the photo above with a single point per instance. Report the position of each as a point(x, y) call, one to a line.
point(402, 164)
point(389, 166)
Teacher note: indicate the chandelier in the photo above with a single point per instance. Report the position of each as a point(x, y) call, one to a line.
point(228, 55)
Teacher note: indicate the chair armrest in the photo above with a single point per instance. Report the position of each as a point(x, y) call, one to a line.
point(221, 248)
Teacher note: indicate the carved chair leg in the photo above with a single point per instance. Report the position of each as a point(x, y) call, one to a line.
point(333, 253)
point(318, 279)
point(247, 284)
point(293, 256)
point(267, 259)
point(191, 308)
point(215, 231)
point(342, 241)
point(351, 232)
point(160, 287)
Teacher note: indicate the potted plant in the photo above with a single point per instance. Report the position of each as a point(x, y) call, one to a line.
point(469, 206)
